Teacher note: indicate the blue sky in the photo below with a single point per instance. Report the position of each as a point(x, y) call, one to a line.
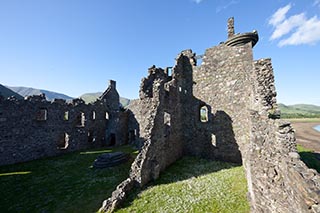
point(76, 46)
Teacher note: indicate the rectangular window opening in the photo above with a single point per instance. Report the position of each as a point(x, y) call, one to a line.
point(63, 141)
point(93, 115)
point(66, 116)
point(42, 115)
point(167, 119)
point(204, 117)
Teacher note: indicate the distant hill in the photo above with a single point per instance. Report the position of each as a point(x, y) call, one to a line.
point(299, 111)
point(92, 97)
point(27, 91)
point(6, 92)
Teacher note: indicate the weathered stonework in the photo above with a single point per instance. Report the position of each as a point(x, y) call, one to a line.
point(225, 109)
point(34, 128)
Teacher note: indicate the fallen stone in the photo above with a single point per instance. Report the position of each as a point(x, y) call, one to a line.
point(110, 159)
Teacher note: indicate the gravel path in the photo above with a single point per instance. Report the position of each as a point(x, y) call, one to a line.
point(307, 136)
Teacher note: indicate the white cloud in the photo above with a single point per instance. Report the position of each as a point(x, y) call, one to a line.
point(197, 1)
point(296, 29)
point(279, 15)
point(288, 25)
point(307, 33)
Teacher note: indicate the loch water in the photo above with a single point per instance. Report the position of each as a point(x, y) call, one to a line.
point(317, 128)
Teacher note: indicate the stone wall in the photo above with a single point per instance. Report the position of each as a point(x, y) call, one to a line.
point(265, 92)
point(279, 180)
point(224, 109)
point(34, 128)
point(223, 82)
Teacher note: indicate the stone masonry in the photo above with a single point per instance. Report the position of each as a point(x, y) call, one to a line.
point(223, 109)
point(34, 128)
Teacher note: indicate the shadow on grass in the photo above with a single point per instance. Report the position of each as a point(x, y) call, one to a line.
point(184, 169)
point(311, 159)
point(60, 184)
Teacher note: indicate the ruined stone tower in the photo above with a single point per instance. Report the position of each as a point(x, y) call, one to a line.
point(223, 109)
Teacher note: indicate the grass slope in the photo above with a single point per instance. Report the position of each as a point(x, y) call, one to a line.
point(194, 185)
point(60, 184)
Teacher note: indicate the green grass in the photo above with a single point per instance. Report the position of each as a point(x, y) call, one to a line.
point(194, 185)
point(60, 184)
point(69, 184)
point(299, 111)
point(309, 157)
point(304, 120)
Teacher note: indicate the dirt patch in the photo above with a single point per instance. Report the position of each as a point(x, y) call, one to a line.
point(307, 136)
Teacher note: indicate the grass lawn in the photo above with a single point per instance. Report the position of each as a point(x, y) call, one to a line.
point(194, 185)
point(60, 184)
point(68, 184)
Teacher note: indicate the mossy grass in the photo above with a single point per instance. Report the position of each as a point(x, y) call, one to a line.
point(60, 184)
point(193, 185)
point(69, 184)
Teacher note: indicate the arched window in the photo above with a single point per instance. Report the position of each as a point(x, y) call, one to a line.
point(93, 115)
point(63, 141)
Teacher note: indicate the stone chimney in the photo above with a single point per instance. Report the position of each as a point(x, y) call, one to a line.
point(230, 27)
point(112, 84)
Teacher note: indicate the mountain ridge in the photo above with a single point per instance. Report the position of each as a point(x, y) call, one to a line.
point(50, 95)
point(20, 92)
point(6, 92)
point(287, 111)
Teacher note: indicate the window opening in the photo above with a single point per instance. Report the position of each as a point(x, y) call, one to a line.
point(169, 71)
point(66, 116)
point(213, 140)
point(42, 115)
point(93, 115)
point(167, 119)
point(91, 137)
point(80, 120)
point(63, 141)
point(204, 114)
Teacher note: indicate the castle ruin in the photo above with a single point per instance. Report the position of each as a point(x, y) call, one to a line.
point(35, 128)
point(222, 109)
